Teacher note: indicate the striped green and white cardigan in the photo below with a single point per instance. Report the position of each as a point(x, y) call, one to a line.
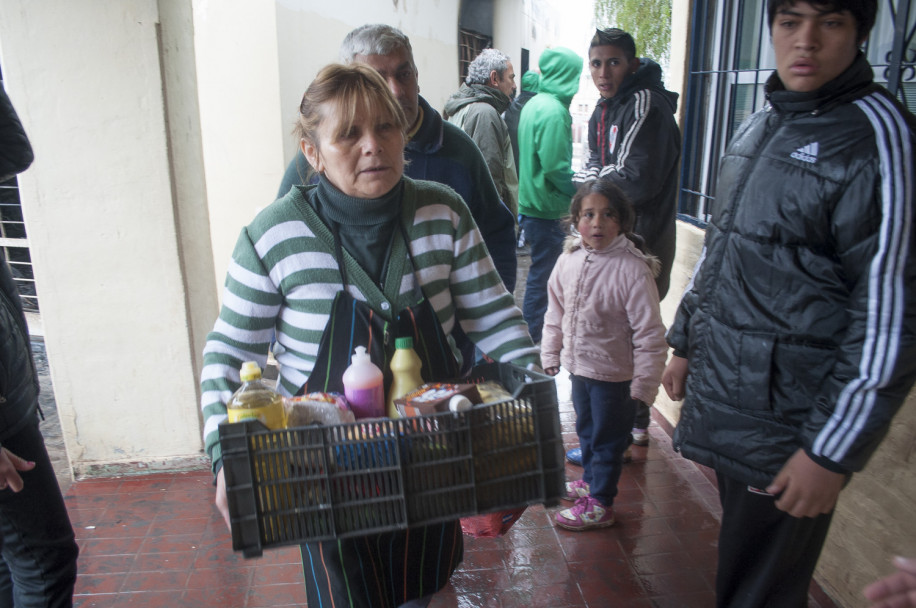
point(284, 276)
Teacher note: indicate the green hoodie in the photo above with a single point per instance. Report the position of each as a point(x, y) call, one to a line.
point(530, 81)
point(545, 138)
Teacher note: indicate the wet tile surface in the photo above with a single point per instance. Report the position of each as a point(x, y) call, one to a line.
point(157, 540)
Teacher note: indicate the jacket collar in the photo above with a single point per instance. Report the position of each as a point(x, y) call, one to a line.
point(474, 93)
point(428, 138)
point(618, 246)
point(574, 242)
point(849, 85)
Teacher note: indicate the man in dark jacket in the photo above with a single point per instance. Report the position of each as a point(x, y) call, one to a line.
point(635, 142)
point(38, 550)
point(794, 344)
point(530, 82)
point(476, 108)
point(436, 150)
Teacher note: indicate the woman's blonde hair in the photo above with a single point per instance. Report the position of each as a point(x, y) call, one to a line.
point(352, 89)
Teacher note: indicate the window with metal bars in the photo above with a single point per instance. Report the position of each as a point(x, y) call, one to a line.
point(730, 60)
point(14, 241)
point(469, 46)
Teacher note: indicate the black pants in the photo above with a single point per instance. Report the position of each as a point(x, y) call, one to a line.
point(643, 416)
point(766, 556)
point(37, 546)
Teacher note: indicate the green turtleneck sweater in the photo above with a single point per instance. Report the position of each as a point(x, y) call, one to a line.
point(366, 225)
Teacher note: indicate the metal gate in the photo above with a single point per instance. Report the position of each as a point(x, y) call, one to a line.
point(14, 241)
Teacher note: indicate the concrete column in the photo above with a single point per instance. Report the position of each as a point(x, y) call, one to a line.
point(100, 209)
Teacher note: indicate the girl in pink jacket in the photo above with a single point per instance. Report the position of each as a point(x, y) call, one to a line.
point(604, 327)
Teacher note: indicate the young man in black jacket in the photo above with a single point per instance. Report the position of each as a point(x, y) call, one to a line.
point(634, 142)
point(794, 344)
point(37, 546)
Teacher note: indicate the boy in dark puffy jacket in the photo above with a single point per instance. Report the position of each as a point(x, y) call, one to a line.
point(37, 546)
point(794, 344)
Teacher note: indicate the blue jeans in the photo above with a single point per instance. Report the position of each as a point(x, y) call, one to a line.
point(37, 546)
point(546, 240)
point(604, 419)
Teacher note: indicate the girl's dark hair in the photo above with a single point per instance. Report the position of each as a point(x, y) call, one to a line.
point(863, 11)
point(621, 208)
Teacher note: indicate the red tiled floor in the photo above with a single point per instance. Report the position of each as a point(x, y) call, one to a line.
point(157, 540)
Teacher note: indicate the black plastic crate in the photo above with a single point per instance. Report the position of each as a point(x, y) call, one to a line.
point(324, 482)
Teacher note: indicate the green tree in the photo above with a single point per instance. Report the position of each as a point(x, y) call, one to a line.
point(648, 21)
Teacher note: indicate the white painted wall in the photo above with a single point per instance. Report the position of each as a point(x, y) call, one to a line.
point(309, 34)
point(86, 79)
point(676, 79)
point(254, 61)
point(242, 130)
point(509, 34)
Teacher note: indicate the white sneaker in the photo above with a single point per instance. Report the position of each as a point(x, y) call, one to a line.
point(640, 437)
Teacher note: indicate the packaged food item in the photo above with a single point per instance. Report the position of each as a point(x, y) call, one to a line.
point(434, 397)
point(364, 386)
point(492, 391)
point(318, 408)
point(255, 400)
point(405, 370)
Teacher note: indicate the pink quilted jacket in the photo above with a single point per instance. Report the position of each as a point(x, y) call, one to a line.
point(603, 320)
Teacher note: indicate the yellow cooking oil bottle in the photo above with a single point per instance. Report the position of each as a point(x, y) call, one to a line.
point(405, 370)
point(255, 400)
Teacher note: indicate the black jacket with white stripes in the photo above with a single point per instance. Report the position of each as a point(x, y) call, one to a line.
point(634, 141)
point(799, 322)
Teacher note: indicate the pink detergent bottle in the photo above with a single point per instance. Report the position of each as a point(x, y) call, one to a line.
point(364, 386)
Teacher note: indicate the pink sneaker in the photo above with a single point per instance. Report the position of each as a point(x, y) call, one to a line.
point(575, 490)
point(586, 514)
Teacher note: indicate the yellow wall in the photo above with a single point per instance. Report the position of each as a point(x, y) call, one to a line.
point(874, 519)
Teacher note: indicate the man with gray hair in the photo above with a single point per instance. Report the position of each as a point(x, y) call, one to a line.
point(477, 108)
point(436, 150)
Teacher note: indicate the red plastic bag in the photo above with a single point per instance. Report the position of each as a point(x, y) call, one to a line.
point(491, 524)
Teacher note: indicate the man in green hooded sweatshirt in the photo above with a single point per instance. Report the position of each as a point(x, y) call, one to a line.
point(545, 174)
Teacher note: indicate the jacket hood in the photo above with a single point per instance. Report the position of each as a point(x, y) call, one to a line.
point(531, 81)
point(474, 93)
point(573, 242)
point(560, 71)
point(648, 76)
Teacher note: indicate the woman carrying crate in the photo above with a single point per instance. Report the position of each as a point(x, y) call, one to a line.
point(368, 250)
